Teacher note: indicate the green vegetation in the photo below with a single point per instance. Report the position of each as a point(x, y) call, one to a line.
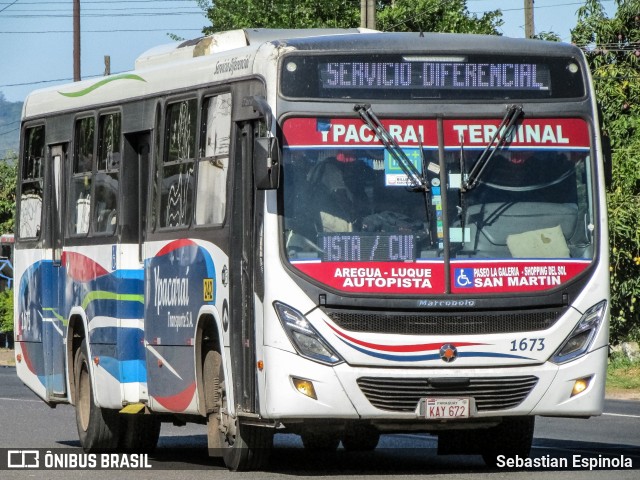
point(6, 310)
point(623, 374)
point(8, 178)
point(397, 15)
point(10, 113)
point(614, 59)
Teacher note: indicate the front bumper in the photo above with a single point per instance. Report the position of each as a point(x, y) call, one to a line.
point(339, 395)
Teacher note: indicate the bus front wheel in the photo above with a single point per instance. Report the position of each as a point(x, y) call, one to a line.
point(360, 438)
point(97, 427)
point(243, 447)
point(513, 437)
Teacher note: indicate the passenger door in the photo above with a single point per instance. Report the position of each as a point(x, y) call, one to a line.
point(54, 315)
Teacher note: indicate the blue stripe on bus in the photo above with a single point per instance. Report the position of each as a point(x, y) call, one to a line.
point(129, 274)
point(115, 308)
point(124, 371)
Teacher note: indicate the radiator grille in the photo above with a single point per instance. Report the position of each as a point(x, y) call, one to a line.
point(468, 323)
point(403, 394)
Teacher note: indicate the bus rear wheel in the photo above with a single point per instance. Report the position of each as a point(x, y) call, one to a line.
point(98, 428)
point(243, 447)
point(139, 433)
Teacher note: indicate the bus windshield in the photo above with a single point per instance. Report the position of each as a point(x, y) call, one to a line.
point(348, 201)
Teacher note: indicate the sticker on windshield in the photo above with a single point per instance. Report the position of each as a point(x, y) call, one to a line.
point(394, 174)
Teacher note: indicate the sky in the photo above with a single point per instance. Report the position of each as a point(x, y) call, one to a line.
point(36, 39)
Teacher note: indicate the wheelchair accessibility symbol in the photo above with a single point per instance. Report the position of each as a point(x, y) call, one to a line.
point(464, 277)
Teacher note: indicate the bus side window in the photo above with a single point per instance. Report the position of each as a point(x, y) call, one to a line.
point(106, 188)
point(213, 164)
point(176, 184)
point(31, 183)
point(82, 176)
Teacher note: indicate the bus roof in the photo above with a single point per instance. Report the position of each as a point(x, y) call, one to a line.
point(167, 67)
point(231, 54)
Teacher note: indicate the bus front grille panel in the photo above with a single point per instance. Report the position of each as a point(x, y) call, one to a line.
point(468, 323)
point(403, 394)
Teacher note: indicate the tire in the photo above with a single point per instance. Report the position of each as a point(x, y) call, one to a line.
point(98, 428)
point(139, 433)
point(512, 437)
point(360, 438)
point(320, 442)
point(242, 447)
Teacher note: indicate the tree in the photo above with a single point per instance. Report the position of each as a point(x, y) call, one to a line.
point(398, 15)
point(8, 179)
point(436, 16)
point(611, 48)
point(548, 36)
point(231, 14)
point(6, 310)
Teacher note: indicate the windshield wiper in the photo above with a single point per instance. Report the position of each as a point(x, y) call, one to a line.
point(501, 134)
point(417, 179)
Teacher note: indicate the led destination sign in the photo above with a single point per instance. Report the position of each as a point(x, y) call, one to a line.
point(349, 247)
point(434, 75)
point(479, 76)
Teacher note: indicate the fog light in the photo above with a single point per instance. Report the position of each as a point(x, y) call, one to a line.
point(580, 386)
point(305, 387)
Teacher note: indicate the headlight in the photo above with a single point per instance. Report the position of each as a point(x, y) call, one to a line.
point(580, 339)
point(306, 340)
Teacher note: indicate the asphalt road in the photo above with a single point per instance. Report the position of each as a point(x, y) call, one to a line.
point(26, 422)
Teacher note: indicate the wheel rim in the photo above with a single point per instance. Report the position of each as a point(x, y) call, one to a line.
point(83, 406)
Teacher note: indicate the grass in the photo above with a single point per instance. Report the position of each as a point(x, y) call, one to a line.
point(623, 374)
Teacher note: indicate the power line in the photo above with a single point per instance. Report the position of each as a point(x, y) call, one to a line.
point(40, 82)
point(100, 2)
point(36, 83)
point(99, 9)
point(16, 1)
point(134, 30)
point(10, 131)
point(103, 15)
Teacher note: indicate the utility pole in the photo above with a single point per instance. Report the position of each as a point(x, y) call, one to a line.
point(368, 14)
point(371, 14)
point(107, 65)
point(529, 28)
point(76, 40)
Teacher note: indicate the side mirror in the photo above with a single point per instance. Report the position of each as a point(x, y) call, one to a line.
point(266, 163)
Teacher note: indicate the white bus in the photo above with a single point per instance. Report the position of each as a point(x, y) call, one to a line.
point(336, 234)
